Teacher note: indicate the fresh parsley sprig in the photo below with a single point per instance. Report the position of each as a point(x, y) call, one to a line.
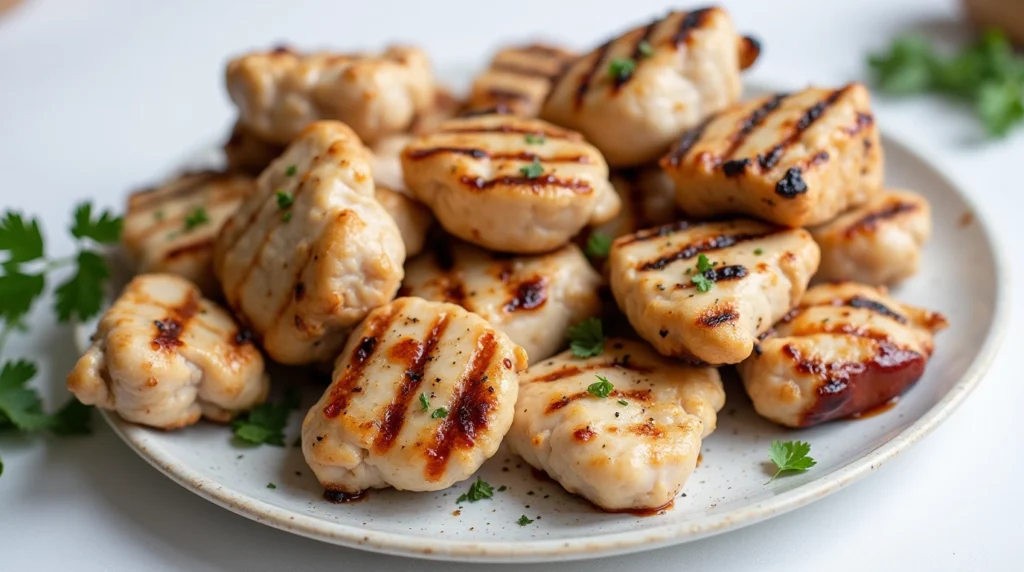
point(586, 339)
point(265, 423)
point(599, 245)
point(790, 456)
point(479, 490)
point(601, 388)
point(987, 74)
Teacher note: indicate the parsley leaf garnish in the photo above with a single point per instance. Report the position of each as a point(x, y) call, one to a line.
point(20, 406)
point(286, 216)
point(645, 49)
point(621, 68)
point(586, 339)
point(523, 521)
point(284, 200)
point(479, 490)
point(265, 423)
point(599, 245)
point(601, 388)
point(424, 403)
point(702, 283)
point(17, 292)
point(790, 456)
point(291, 170)
point(81, 295)
point(23, 242)
point(105, 230)
point(271, 486)
point(439, 413)
point(533, 139)
point(703, 264)
point(986, 74)
point(623, 402)
point(533, 170)
point(75, 418)
point(758, 251)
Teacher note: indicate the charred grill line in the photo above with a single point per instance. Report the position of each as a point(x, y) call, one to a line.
point(521, 70)
point(509, 129)
point(871, 220)
point(683, 146)
point(635, 54)
point(659, 232)
point(706, 245)
point(394, 414)
point(812, 114)
point(191, 248)
point(508, 94)
point(417, 154)
point(535, 183)
point(877, 307)
point(724, 273)
point(362, 353)
point(569, 370)
point(751, 122)
point(690, 22)
point(469, 412)
point(529, 294)
point(588, 76)
point(643, 395)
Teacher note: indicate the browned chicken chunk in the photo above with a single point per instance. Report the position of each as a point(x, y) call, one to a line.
point(518, 79)
point(846, 349)
point(635, 94)
point(792, 159)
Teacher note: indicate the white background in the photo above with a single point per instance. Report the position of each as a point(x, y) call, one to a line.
point(99, 97)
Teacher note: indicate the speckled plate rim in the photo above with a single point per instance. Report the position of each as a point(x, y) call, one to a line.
point(612, 543)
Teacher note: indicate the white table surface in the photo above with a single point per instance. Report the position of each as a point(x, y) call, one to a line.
point(98, 97)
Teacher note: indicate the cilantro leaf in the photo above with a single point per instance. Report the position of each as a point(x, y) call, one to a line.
point(81, 295)
point(1000, 106)
point(601, 388)
point(703, 264)
point(586, 339)
point(75, 418)
point(17, 292)
point(599, 245)
point(620, 69)
point(284, 200)
point(105, 230)
point(533, 170)
point(439, 413)
point(22, 241)
point(790, 456)
point(424, 403)
point(523, 520)
point(20, 405)
point(265, 423)
point(479, 490)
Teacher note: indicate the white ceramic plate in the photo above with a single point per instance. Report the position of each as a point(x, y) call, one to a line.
point(727, 491)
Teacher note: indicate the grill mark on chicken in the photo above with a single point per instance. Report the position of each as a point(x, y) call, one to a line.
point(142, 199)
point(511, 129)
point(718, 315)
point(724, 273)
point(682, 147)
point(690, 22)
point(874, 306)
point(864, 120)
point(549, 52)
point(704, 245)
point(810, 115)
point(849, 387)
point(647, 429)
point(751, 122)
point(588, 76)
point(189, 249)
point(584, 434)
point(571, 370)
point(418, 154)
point(499, 108)
point(636, 54)
point(658, 232)
point(175, 322)
point(536, 184)
point(361, 355)
point(298, 291)
point(870, 220)
point(791, 184)
point(508, 94)
point(469, 412)
point(529, 294)
point(838, 329)
point(642, 395)
point(416, 355)
point(521, 70)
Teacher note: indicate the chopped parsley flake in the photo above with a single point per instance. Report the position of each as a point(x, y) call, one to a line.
point(533, 139)
point(287, 216)
point(271, 486)
point(600, 388)
point(533, 170)
point(439, 413)
point(479, 490)
point(621, 68)
point(523, 521)
point(702, 282)
point(623, 402)
point(195, 218)
point(424, 403)
point(290, 171)
point(645, 49)
point(284, 200)
point(703, 265)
